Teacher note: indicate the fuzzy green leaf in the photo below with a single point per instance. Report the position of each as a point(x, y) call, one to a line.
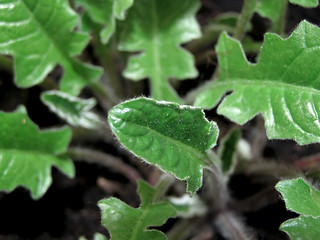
point(304, 199)
point(75, 111)
point(305, 3)
point(126, 223)
point(284, 86)
point(27, 154)
point(157, 28)
point(39, 34)
point(105, 12)
point(175, 138)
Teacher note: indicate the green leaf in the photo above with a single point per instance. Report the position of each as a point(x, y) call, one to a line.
point(105, 12)
point(305, 3)
point(304, 199)
point(283, 86)
point(306, 228)
point(157, 28)
point(187, 206)
point(272, 9)
point(228, 149)
point(39, 34)
point(126, 223)
point(173, 137)
point(27, 154)
point(75, 111)
point(300, 197)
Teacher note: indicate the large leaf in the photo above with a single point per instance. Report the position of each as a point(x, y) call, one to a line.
point(283, 86)
point(304, 199)
point(39, 34)
point(173, 137)
point(157, 28)
point(75, 111)
point(27, 154)
point(126, 223)
point(105, 12)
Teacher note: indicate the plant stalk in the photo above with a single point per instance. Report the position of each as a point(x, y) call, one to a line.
point(280, 22)
point(248, 9)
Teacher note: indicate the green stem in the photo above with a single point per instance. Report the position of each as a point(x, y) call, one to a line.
point(107, 99)
point(248, 9)
point(280, 22)
point(162, 186)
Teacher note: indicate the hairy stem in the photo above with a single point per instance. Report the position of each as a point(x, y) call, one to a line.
point(248, 9)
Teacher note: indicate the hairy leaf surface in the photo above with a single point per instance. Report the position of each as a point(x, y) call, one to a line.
point(27, 154)
point(284, 86)
point(39, 34)
point(305, 200)
point(127, 223)
point(105, 12)
point(75, 111)
point(171, 136)
point(157, 28)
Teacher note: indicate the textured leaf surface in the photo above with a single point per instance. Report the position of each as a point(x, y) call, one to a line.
point(157, 28)
point(75, 111)
point(304, 199)
point(173, 137)
point(39, 34)
point(126, 223)
point(105, 12)
point(283, 86)
point(27, 154)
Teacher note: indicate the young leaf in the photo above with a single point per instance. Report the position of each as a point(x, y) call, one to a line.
point(172, 137)
point(27, 154)
point(126, 223)
point(157, 28)
point(105, 12)
point(283, 86)
point(304, 199)
point(75, 111)
point(39, 34)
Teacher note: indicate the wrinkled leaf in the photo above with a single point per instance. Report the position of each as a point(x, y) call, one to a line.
point(283, 86)
point(173, 137)
point(187, 206)
point(105, 12)
point(157, 28)
point(39, 34)
point(27, 154)
point(124, 222)
point(228, 149)
point(304, 199)
point(75, 111)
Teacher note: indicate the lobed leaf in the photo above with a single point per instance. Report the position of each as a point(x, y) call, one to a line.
point(39, 34)
point(284, 86)
point(173, 137)
point(105, 12)
point(126, 223)
point(304, 199)
point(75, 111)
point(157, 28)
point(27, 154)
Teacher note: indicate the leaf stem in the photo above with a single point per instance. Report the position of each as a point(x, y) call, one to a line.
point(104, 159)
point(280, 22)
point(248, 9)
point(166, 180)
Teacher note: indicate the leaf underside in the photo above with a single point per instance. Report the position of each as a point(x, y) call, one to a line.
point(284, 86)
point(126, 223)
point(27, 154)
point(157, 28)
point(39, 35)
point(175, 138)
point(305, 200)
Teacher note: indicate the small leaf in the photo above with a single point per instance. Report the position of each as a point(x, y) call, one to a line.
point(126, 223)
point(305, 3)
point(27, 154)
point(75, 111)
point(187, 206)
point(228, 149)
point(157, 28)
point(302, 228)
point(173, 137)
point(105, 12)
point(39, 34)
point(300, 197)
point(283, 86)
